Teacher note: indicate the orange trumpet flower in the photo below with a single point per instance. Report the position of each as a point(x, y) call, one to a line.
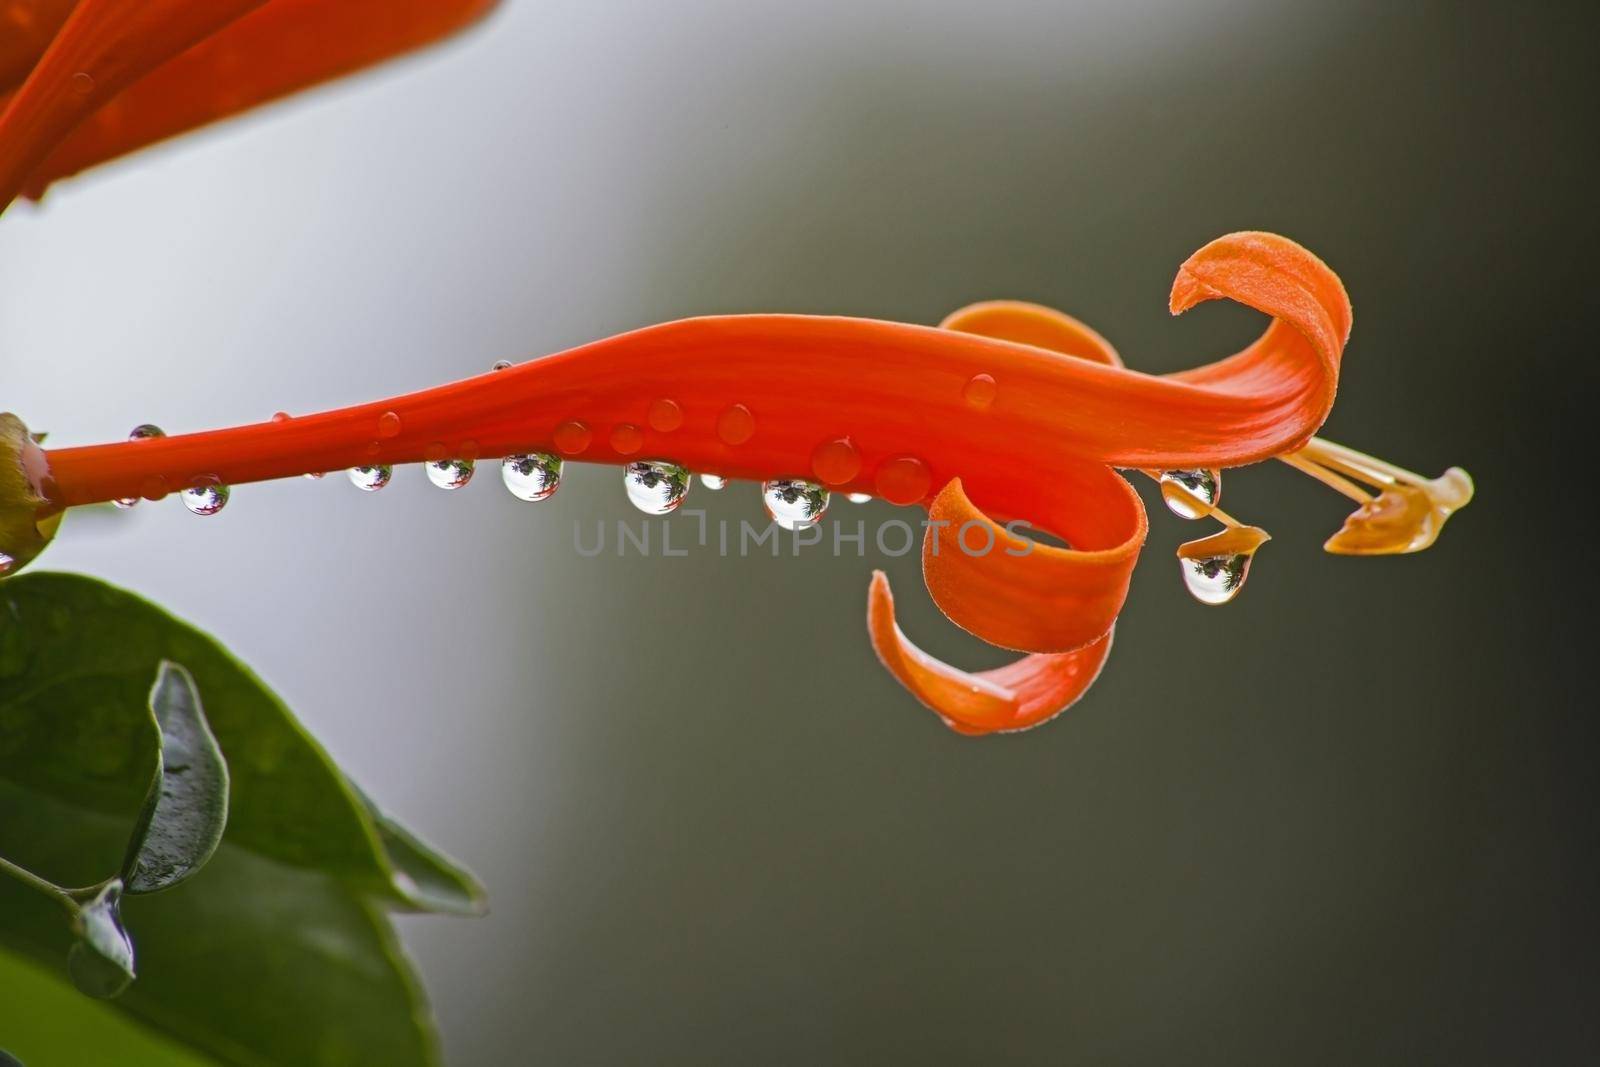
point(1006, 413)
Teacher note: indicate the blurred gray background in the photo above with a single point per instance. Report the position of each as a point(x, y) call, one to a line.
point(1345, 819)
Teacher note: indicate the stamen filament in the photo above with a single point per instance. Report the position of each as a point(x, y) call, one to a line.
point(1359, 464)
point(1329, 478)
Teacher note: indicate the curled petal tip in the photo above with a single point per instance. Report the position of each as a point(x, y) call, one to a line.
point(1018, 696)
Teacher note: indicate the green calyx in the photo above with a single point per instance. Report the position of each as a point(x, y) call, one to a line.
point(24, 475)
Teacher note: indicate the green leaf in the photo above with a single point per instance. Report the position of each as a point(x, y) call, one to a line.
point(187, 807)
point(67, 641)
point(278, 950)
point(250, 961)
point(101, 960)
point(58, 1017)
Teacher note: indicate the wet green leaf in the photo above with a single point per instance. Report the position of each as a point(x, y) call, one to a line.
point(101, 960)
point(277, 950)
point(70, 642)
point(250, 961)
point(187, 807)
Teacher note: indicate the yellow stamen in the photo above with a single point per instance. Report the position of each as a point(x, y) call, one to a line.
point(1407, 514)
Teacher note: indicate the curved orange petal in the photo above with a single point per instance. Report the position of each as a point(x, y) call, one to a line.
point(199, 62)
point(101, 49)
point(1033, 324)
point(1018, 696)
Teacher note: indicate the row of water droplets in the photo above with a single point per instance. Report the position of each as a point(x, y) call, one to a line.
point(659, 487)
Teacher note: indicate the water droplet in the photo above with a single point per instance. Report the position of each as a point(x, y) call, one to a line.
point(1214, 568)
point(714, 482)
point(143, 432)
point(388, 424)
point(531, 476)
point(979, 392)
point(206, 496)
point(6, 563)
point(501, 364)
point(1191, 494)
point(280, 416)
point(736, 425)
point(626, 438)
point(314, 475)
point(656, 486)
point(664, 415)
point(905, 480)
point(858, 498)
point(83, 83)
point(153, 487)
point(794, 504)
point(371, 479)
point(836, 462)
point(572, 437)
point(449, 473)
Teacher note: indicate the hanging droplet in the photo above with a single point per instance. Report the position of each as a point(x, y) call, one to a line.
point(656, 486)
point(388, 424)
point(314, 475)
point(835, 462)
point(531, 476)
point(714, 482)
point(736, 425)
point(206, 496)
point(449, 473)
point(980, 390)
point(794, 504)
point(501, 364)
point(371, 479)
point(143, 432)
point(1214, 568)
point(1191, 494)
point(858, 498)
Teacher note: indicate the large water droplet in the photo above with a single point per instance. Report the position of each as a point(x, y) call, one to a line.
point(664, 415)
point(1191, 494)
point(142, 432)
point(903, 480)
point(531, 476)
point(449, 473)
point(794, 504)
point(736, 425)
point(626, 438)
point(206, 496)
point(835, 462)
point(1214, 568)
point(572, 437)
point(656, 486)
point(714, 482)
point(980, 390)
point(371, 479)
